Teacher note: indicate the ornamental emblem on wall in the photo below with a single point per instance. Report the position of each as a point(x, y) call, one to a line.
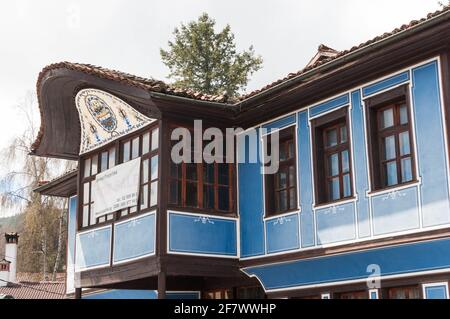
point(101, 113)
point(105, 118)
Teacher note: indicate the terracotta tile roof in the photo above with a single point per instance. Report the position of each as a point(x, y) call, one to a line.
point(33, 290)
point(44, 184)
point(341, 54)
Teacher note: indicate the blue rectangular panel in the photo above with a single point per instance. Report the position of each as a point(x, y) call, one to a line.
point(395, 211)
point(393, 260)
point(251, 210)
point(431, 146)
point(282, 234)
point(360, 160)
point(386, 84)
point(305, 178)
point(329, 105)
point(436, 292)
point(93, 248)
point(134, 238)
point(336, 224)
point(281, 123)
point(202, 235)
point(122, 294)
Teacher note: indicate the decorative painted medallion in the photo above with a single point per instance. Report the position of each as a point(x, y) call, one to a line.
point(105, 118)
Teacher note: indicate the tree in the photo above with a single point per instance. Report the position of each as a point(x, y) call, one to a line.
point(40, 243)
point(208, 62)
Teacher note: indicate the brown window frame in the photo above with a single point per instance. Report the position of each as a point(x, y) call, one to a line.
point(182, 180)
point(375, 107)
point(321, 153)
point(287, 137)
point(117, 146)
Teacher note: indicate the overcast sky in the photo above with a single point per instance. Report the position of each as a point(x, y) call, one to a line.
point(127, 35)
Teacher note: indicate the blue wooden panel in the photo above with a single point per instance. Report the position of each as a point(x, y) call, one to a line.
point(281, 123)
point(202, 235)
point(329, 105)
point(122, 294)
point(71, 240)
point(336, 224)
point(183, 295)
point(251, 209)
point(305, 178)
point(431, 146)
point(386, 84)
point(282, 234)
point(436, 292)
point(360, 164)
point(93, 249)
point(395, 211)
point(393, 260)
point(135, 238)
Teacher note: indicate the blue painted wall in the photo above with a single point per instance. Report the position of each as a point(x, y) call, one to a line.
point(414, 208)
point(139, 295)
point(93, 248)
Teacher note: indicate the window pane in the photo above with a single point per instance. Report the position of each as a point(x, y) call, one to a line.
point(224, 176)
point(343, 134)
point(144, 197)
point(104, 162)
point(93, 219)
point(404, 144)
point(331, 138)
point(403, 115)
point(347, 186)
point(155, 139)
point(224, 197)
point(333, 163)
point(175, 192)
point(102, 219)
point(389, 147)
point(208, 173)
point(153, 194)
point(135, 148)
point(334, 186)
point(292, 177)
point(291, 149)
point(292, 199)
point(175, 170)
point(345, 162)
point(145, 143)
point(133, 209)
point(86, 193)
point(110, 217)
point(87, 167)
point(208, 196)
point(391, 173)
point(112, 157)
point(124, 212)
point(387, 119)
point(282, 180)
point(85, 221)
point(191, 194)
point(145, 175)
point(94, 164)
point(191, 172)
point(283, 154)
point(154, 167)
point(406, 170)
point(126, 151)
point(282, 201)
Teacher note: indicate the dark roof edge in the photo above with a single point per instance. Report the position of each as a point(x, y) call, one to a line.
point(58, 180)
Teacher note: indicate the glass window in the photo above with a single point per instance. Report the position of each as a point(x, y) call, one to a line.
point(87, 167)
point(135, 148)
point(146, 143)
point(112, 157)
point(155, 139)
point(104, 162)
point(95, 165)
point(126, 152)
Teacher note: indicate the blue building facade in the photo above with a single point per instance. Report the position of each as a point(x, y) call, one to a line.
point(358, 208)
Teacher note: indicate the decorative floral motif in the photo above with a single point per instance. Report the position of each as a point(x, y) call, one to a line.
point(334, 210)
point(393, 195)
point(282, 220)
point(203, 220)
point(101, 113)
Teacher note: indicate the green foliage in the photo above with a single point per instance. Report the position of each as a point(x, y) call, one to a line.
point(208, 62)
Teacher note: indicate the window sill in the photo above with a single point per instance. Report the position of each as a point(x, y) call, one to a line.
point(281, 214)
point(335, 203)
point(393, 188)
point(201, 211)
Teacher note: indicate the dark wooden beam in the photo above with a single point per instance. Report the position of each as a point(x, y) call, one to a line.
point(161, 285)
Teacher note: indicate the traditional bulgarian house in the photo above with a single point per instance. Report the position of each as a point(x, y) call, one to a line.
point(357, 207)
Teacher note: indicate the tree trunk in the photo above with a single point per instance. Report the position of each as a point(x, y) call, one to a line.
point(59, 249)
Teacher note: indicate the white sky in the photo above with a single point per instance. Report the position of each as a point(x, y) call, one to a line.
point(127, 35)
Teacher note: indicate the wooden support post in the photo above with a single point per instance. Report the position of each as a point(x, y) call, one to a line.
point(77, 293)
point(161, 285)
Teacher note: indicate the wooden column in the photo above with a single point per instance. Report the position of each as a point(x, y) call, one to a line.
point(161, 285)
point(77, 293)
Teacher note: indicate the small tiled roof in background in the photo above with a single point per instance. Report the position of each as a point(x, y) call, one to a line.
point(30, 287)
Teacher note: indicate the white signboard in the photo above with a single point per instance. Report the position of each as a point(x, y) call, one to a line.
point(116, 188)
